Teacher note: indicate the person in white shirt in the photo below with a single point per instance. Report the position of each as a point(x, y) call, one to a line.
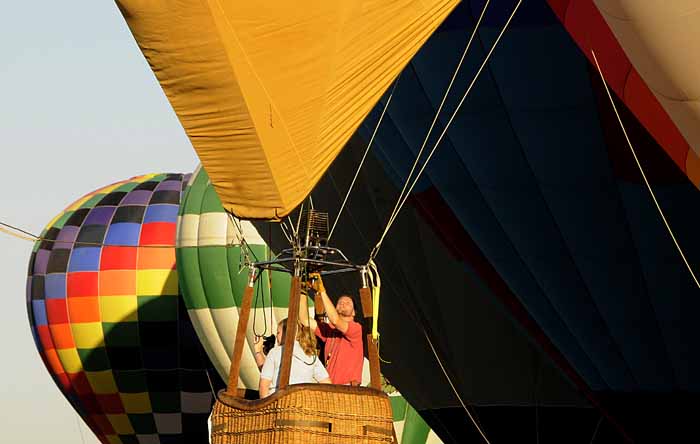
point(306, 366)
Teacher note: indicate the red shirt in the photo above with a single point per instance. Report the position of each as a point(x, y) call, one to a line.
point(343, 352)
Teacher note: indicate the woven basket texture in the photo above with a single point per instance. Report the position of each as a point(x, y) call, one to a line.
point(305, 414)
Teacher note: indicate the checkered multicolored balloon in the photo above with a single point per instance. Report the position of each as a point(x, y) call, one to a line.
point(108, 320)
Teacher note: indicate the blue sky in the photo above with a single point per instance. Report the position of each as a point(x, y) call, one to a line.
point(79, 109)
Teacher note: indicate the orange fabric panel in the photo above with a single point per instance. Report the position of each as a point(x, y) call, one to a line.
point(62, 336)
point(117, 283)
point(86, 309)
point(156, 258)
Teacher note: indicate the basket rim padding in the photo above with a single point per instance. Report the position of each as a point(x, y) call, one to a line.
point(256, 404)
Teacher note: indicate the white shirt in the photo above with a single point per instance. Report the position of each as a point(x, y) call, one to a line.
point(304, 369)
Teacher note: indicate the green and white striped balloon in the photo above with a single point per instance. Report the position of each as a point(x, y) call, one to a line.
point(209, 261)
point(409, 426)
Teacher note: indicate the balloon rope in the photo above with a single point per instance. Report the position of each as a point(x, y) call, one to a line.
point(437, 113)
point(283, 227)
point(246, 250)
point(80, 429)
point(404, 197)
point(26, 235)
point(644, 176)
point(454, 389)
point(357, 171)
point(595, 432)
point(29, 237)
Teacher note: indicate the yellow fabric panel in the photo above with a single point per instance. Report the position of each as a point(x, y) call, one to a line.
point(121, 424)
point(270, 92)
point(114, 439)
point(156, 282)
point(662, 40)
point(70, 360)
point(119, 308)
point(88, 335)
point(102, 383)
point(136, 402)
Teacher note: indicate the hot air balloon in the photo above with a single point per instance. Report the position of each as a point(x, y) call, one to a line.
point(531, 269)
point(277, 90)
point(210, 257)
point(532, 199)
point(105, 311)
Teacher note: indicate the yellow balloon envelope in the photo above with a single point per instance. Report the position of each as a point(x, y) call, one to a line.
point(270, 92)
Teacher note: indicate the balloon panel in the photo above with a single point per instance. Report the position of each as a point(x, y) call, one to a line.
point(535, 191)
point(105, 310)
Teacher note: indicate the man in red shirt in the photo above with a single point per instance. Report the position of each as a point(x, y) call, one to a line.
point(341, 335)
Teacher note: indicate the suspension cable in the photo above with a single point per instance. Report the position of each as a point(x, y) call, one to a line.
point(454, 389)
point(26, 235)
point(437, 113)
point(246, 251)
point(402, 200)
point(644, 176)
point(357, 171)
point(17, 233)
point(597, 426)
point(80, 429)
point(286, 234)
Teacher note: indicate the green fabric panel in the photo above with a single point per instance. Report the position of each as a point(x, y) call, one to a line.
point(143, 423)
point(165, 402)
point(215, 277)
point(128, 439)
point(157, 308)
point(121, 334)
point(263, 293)
point(130, 381)
point(398, 407)
point(258, 252)
point(211, 202)
point(94, 359)
point(126, 187)
point(415, 429)
point(190, 278)
point(62, 220)
point(90, 203)
point(238, 279)
point(281, 283)
point(183, 200)
point(193, 203)
point(158, 177)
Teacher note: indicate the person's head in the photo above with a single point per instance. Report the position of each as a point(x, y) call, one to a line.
point(304, 336)
point(345, 306)
point(268, 343)
point(281, 330)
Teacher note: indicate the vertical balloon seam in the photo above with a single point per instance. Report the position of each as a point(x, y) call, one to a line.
point(484, 200)
point(564, 243)
point(651, 304)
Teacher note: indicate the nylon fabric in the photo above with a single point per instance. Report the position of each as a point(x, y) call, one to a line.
point(215, 315)
point(662, 40)
point(275, 89)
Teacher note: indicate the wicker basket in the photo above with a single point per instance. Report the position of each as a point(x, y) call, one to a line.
point(305, 414)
